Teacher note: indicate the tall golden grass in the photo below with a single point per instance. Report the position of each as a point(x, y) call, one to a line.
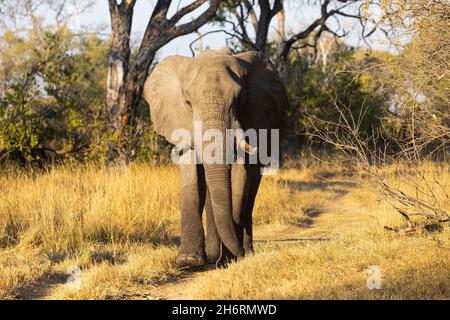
point(85, 216)
point(120, 226)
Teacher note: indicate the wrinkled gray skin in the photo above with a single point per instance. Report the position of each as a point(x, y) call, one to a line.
point(223, 91)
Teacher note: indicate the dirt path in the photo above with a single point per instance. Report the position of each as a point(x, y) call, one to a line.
point(322, 221)
point(180, 287)
point(43, 288)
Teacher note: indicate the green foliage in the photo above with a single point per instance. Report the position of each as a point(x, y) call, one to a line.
point(17, 124)
point(139, 140)
point(54, 96)
point(54, 106)
point(419, 76)
point(319, 92)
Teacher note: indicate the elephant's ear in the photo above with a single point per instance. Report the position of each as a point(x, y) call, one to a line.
point(266, 102)
point(163, 92)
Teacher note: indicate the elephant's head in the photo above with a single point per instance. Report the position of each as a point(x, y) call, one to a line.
point(223, 91)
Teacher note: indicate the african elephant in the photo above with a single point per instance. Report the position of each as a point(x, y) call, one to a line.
point(222, 91)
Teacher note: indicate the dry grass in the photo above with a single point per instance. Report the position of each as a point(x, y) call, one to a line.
point(334, 270)
point(120, 227)
point(104, 220)
point(351, 218)
point(141, 266)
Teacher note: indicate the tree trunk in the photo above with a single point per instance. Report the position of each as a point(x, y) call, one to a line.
point(280, 30)
point(125, 82)
point(281, 35)
point(121, 18)
point(263, 25)
point(325, 46)
point(200, 42)
point(3, 80)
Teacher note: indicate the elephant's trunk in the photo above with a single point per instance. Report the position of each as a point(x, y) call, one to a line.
point(218, 178)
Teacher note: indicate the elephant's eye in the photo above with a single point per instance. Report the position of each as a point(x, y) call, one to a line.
point(188, 104)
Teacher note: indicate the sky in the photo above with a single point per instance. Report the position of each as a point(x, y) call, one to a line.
point(297, 18)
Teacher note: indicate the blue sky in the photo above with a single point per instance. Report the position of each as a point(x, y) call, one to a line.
point(296, 17)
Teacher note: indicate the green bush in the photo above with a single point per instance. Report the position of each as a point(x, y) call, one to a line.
point(319, 93)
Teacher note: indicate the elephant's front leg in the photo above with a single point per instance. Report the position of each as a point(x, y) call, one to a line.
point(213, 241)
point(216, 252)
point(255, 180)
point(193, 192)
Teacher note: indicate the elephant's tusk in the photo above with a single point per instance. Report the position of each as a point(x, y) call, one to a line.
point(240, 139)
point(247, 148)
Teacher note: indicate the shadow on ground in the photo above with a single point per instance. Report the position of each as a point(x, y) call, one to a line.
point(306, 220)
point(42, 286)
point(339, 187)
point(291, 240)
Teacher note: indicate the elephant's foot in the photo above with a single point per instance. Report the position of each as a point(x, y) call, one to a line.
point(212, 258)
point(212, 253)
point(225, 257)
point(190, 260)
point(248, 244)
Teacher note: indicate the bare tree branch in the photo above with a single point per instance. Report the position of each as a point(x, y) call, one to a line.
point(186, 10)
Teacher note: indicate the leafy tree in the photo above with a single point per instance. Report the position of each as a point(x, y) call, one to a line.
point(54, 108)
point(54, 97)
point(419, 77)
point(319, 94)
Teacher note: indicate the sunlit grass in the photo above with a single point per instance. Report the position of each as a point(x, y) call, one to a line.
point(69, 214)
point(350, 223)
point(120, 227)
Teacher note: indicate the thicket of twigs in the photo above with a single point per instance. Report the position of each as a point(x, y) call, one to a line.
point(418, 110)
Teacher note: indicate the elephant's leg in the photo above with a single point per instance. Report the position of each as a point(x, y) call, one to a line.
point(240, 187)
point(212, 236)
point(240, 184)
point(255, 180)
point(193, 192)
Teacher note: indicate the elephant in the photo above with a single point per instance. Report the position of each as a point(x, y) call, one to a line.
point(223, 91)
